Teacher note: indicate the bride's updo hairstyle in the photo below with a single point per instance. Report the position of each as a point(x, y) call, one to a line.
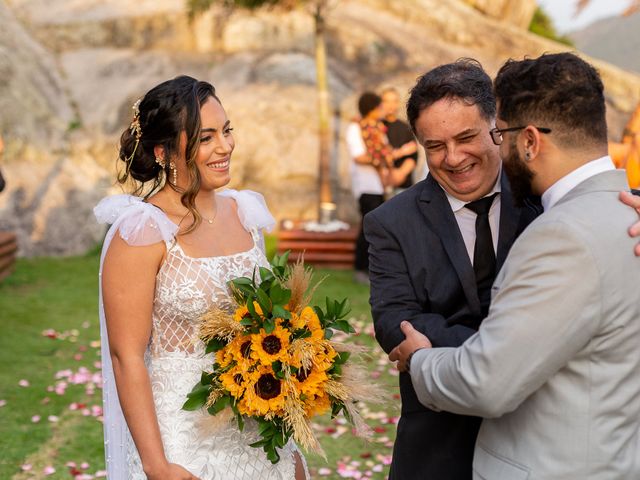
point(158, 119)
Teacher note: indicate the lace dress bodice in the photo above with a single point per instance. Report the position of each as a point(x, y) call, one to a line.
point(186, 287)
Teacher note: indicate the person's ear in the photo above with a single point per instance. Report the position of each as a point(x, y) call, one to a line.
point(158, 152)
point(531, 142)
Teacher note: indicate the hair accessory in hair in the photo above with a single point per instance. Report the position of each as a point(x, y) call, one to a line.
point(136, 130)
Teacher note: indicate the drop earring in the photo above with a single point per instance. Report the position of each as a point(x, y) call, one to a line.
point(174, 173)
point(160, 161)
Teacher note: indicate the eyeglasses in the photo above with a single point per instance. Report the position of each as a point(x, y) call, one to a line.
point(496, 133)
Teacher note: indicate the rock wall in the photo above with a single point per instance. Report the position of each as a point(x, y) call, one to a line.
point(517, 13)
point(76, 67)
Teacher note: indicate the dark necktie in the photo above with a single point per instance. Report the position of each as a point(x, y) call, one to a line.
point(484, 258)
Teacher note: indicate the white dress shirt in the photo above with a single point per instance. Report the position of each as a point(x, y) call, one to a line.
point(364, 178)
point(466, 219)
point(559, 189)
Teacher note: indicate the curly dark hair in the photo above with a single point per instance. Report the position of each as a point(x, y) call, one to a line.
point(165, 111)
point(558, 91)
point(463, 79)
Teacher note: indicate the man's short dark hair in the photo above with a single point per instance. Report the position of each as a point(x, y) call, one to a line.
point(463, 79)
point(368, 102)
point(558, 91)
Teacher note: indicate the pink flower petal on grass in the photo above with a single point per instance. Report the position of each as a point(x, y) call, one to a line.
point(324, 471)
point(48, 470)
point(53, 418)
point(3, 403)
point(35, 418)
point(26, 467)
point(23, 383)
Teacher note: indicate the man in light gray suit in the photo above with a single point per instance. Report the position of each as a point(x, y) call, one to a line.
point(555, 367)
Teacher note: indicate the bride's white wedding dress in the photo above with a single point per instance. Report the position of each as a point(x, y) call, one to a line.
point(186, 287)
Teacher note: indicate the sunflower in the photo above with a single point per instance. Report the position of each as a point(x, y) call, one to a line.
point(243, 312)
point(271, 347)
point(317, 404)
point(310, 382)
point(239, 349)
point(235, 381)
point(296, 321)
point(310, 319)
point(324, 355)
point(264, 394)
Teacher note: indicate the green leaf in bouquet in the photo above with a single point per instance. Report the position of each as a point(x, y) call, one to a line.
point(276, 366)
point(330, 310)
point(301, 333)
point(320, 315)
point(344, 308)
point(239, 418)
point(246, 292)
point(264, 301)
point(214, 345)
point(342, 358)
point(206, 378)
point(336, 407)
point(328, 333)
point(336, 369)
point(242, 281)
point(279, 440)
point(343, 326)
point(266, 285)
point(260, 443)
point(265, 427)
point(279, 295)
point(269, 325)
point(281, 260)
point(197, 397)
point(272, 454)
point(266, 274)
point(219, 405)
point(246, 322)
point(252, 310)
point(279, 312)
point(279, 272)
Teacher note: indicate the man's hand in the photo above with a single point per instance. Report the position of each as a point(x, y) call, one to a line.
point(634, 230)
point(414, 341)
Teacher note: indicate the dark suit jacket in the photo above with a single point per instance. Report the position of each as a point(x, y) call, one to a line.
point(420, 271)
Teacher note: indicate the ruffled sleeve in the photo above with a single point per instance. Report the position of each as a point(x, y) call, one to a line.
point(139, 223)
point(252, 209)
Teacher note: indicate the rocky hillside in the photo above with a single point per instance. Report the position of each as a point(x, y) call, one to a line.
point(74, 67)
point(616, 39)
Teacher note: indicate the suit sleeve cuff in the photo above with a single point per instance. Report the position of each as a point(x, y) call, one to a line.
point(419, 365)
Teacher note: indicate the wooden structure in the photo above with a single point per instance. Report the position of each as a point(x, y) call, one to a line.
point(325, 250)
point(8, 251)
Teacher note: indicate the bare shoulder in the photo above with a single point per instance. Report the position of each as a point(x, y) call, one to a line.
point(136, 260)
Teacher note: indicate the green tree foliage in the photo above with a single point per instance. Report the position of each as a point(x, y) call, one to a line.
point(541, 24)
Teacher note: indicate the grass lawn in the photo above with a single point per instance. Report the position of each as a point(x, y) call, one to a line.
point(49, 381)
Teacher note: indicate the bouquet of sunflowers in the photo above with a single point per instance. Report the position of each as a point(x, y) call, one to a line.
point(276, 362)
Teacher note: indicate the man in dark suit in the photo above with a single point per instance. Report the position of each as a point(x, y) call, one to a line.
point(421, 254)
point(435, 250)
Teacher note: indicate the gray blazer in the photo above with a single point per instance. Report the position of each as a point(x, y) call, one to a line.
point(555, 367)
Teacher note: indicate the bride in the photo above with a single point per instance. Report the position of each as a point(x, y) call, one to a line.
point(165, 261)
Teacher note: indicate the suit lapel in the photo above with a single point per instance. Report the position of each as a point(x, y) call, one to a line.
point(509, 221)
point(436, 209)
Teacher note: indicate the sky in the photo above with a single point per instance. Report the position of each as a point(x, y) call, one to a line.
point(562, 12)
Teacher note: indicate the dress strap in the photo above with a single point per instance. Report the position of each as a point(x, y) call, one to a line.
point(138, 222)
